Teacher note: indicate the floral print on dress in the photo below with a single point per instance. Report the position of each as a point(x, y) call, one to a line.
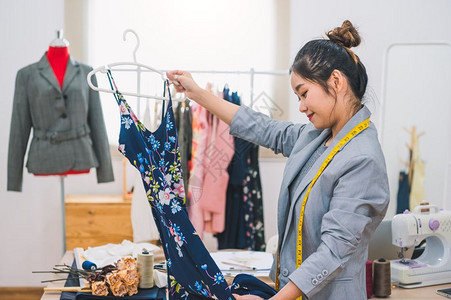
point(156, 155)
point(253, 204)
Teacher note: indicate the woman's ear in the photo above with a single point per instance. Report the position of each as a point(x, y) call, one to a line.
point(337, 81)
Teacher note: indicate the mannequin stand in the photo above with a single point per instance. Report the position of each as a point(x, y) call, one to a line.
point(63, 211)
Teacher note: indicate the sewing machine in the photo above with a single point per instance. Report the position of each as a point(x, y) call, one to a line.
point(433, 266)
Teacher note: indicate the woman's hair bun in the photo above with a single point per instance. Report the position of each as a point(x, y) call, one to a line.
point(346, 35)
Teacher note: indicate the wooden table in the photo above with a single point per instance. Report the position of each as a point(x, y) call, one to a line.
point(424, 293)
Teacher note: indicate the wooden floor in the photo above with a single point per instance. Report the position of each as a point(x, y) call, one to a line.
point(21, 293)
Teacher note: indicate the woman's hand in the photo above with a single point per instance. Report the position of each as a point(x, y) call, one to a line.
point(246, 297)
point(184, 83)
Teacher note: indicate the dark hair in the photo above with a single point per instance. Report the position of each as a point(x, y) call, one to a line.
point(319, 58)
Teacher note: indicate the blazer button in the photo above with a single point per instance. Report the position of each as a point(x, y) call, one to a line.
point(65, 97)
point(63, 116)
point(319, 277)
point(285, 272)
point(325, 272)
point(314, 281)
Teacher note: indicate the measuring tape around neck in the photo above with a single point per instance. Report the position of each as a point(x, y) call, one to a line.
point(351, 134)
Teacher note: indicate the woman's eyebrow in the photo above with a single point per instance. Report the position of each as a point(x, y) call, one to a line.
point(298, 87)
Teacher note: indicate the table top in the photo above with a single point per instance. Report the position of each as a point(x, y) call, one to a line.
point(425, 293)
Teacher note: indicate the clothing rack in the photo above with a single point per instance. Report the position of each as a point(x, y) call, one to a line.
point(251, 74)
point(140, 68)
point(143, 68)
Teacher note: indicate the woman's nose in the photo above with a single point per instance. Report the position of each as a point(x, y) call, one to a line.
point(302, 106)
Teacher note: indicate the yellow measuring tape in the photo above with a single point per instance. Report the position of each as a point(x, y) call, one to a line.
point(351, 134)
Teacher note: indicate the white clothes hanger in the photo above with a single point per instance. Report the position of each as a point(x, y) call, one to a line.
point(108, 67)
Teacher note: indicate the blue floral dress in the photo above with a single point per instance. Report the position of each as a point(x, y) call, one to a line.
point(192, 273)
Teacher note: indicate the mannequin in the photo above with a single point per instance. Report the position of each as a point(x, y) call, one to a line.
point(58, 56)
point(53, 102)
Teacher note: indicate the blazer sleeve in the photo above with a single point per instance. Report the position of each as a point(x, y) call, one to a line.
point(99, 136)
point(360, 198)
point(255, 127)
point(18, 134)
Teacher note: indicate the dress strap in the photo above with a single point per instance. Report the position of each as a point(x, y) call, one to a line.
point(166, 86)
point(117, 94)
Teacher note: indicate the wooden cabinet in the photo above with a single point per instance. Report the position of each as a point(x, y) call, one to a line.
point(97, 220)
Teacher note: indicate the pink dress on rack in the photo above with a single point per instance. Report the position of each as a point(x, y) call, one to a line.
point(213, 149)
point(199, 143)
point(220, 151)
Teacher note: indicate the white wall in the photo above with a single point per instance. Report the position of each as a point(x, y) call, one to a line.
point(30, 221)
point(380, 23)
point(425, 102)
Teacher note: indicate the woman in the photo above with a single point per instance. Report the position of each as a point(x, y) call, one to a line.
point(335, 189)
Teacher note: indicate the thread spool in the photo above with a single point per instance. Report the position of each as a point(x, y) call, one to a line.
point(369, 279)
point(381, 278)
point(424, 210)
point(89, 265)
point(145, 269)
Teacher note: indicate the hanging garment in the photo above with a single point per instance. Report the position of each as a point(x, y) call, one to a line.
point(403, 193)
point(244, 205)
point(144, 228)
point(252, 197)
point(234, 235)
point(184, 120)
point(68, 127)
point(192, 273)
point(417, 185)
point(212, 151)
point(218, 154)
point(199, 145)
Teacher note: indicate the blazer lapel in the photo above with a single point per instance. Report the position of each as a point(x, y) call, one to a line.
point(300, 154)
point(300, 157)
point(47, 72)
point(359, 117)
point(71, 71)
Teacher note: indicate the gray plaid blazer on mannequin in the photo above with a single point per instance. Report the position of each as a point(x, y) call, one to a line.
point(68, 127)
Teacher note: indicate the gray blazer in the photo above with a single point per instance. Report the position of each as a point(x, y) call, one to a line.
point(68, 127)
point(344, 207)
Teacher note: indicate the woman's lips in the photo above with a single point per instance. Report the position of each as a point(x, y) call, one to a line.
point(310, 116)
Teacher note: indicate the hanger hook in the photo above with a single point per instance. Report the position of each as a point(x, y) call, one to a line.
point(124, 37)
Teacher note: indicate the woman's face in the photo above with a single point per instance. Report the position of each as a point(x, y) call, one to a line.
point(318, 106)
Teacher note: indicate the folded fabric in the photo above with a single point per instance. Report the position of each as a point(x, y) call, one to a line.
point(244, 284)
point(110, 253)
point(160, 279)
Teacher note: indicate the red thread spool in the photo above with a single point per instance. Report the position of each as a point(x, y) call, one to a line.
point(369, 279)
